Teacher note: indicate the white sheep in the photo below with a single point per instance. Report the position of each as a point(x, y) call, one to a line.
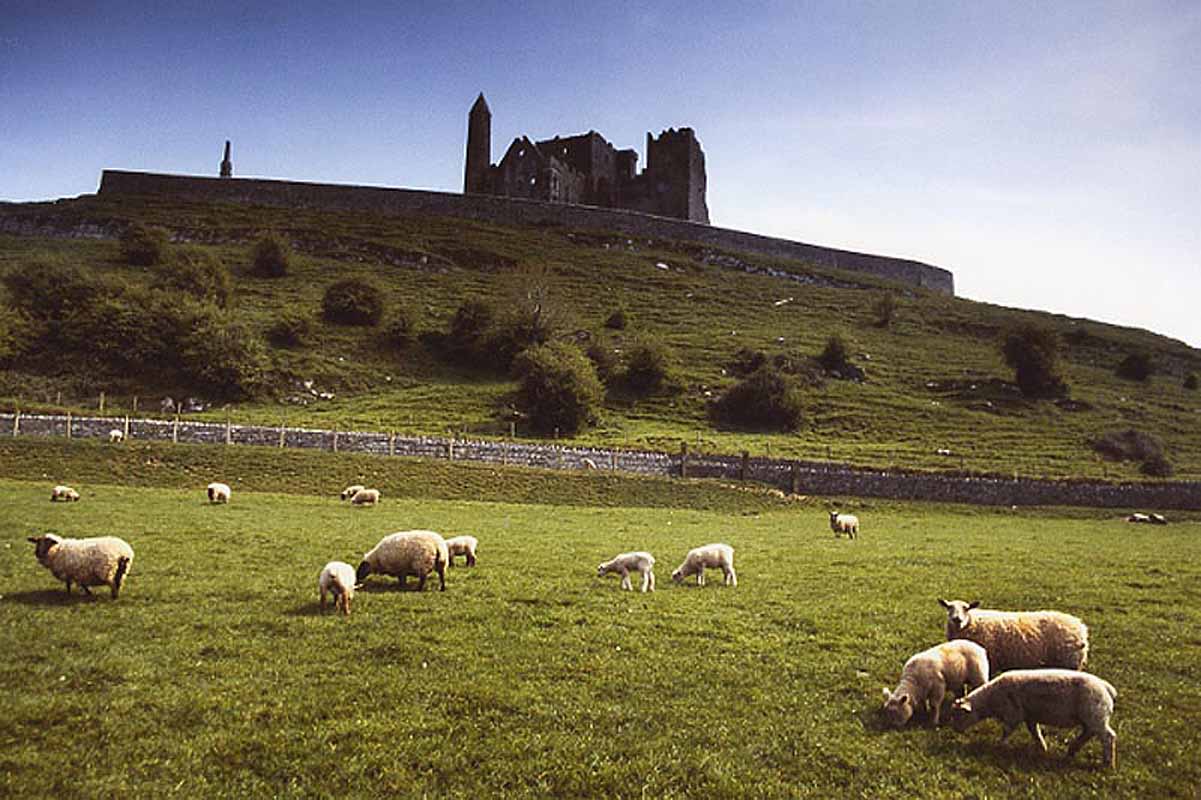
point(1137, 517)
point(64, 494)
point(1020, 639)
point(365, 497)
point(844, 523)
point(100, 561)
point(588, 463)
point(625, 563)
point(462, 546)
point(1062, 698)
point(351, 491)
point(337, 578)
point(218, 492)
point(929, 676)
point(711, 555)
point(407, 553)
point(116, 435)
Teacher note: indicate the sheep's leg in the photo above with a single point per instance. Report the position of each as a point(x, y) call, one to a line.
point(441, 569)
point(421, 583)
point(935, 698)
point(86, 590)
point(731, 578)
point(68, 586)
point(1007, 728)
point(322, 600)
point(1079, 741)
point(700, 577)
point(1037, 733)
point(625, 580)
point(1109, 747)
point(470, 560)
point(646, 580)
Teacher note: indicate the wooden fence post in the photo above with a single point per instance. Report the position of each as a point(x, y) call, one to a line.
point(125, 437)
point(282, 432)
point(683, 459)
point(175, 429)
point(335, 440)
point(102, 402)
point(17, 422)
point(391, 443)
point(450, 449)
point(135, 404)
point(229, 433)
point(794, 483)
point(68, 424)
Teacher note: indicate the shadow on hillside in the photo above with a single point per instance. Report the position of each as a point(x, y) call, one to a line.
point(55, 597)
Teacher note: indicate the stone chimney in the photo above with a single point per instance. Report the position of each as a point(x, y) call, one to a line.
point(227, 166)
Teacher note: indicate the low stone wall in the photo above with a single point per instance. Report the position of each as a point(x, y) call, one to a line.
point(798, 477)
point(511, 211)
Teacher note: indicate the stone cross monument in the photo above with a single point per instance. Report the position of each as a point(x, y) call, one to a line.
point(227, 166)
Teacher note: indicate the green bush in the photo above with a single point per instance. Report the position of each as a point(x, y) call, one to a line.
point(520, 330)
point(353, 301)
point(884, 309)
point(291, 329)
point(617, 320)
point(50, 296)
point(834, 357)
point(1033, 353)
point(1157, 467)
point(603, 359)
point(144, 245)
point(649, 367)
point(401, 331)
point(557, 387)
point(1135, 367)
point(469, 329)
point(747, 361)
point(198, 273)
point(766, 401)
point(1190, 381)
point(1128, 445)
point(221, 357)
point(271, 257)
point(15, 335)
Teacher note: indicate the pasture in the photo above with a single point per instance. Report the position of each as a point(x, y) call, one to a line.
point(215, 674)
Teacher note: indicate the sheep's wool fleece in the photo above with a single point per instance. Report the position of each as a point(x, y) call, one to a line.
point(88, 562)
point(407, 552)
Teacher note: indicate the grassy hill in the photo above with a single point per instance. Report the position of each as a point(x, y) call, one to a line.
point(935, 380)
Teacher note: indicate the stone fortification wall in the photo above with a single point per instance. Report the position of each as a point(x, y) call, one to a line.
point(514, 212)
point(798, 477)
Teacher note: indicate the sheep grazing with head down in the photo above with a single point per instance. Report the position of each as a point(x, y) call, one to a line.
point(462, 546)
point(63, 494)
point(99, 561)
point(338, 579)
point(712, 556)
point(929, 676)
point(1020, 639)
point(625, 563)
point(116, 435)
point(1061, 698)
point(844, 523)
point(351, 491)
point(407, 553)
point(218, 492)
point(365, 497)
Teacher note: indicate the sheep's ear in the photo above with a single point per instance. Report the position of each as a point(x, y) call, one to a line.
point(33, 539)
point(973, 604)
point(944, 604)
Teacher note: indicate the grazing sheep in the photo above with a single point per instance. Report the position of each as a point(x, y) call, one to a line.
point(1158, 519)
point(338, 579)
point(844, 523)
point(116, 435)
point(365, 497)
point(64, 494)
point(711, 555)
point(1062, 698)
point(462, 546)
point(1020, 639)
point(588, 463)
point(218, 492)
point(625, 563)
point(407, 553)
point(929, 676)
point(351, 491)
point(1137, 517)
point(100, 561)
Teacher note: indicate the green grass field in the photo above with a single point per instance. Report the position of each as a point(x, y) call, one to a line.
point(215, 674)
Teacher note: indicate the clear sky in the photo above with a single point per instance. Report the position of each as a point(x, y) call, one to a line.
point(1048, 153)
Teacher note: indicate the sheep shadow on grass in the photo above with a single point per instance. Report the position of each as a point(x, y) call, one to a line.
point(1018, 753)
point(390, 585)
point(56, 597)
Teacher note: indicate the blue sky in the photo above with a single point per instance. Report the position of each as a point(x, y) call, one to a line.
point(1049, 154)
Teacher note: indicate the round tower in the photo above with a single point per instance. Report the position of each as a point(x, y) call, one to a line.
point(479, 147)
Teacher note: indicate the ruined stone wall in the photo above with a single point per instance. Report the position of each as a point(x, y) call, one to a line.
point(508, 211)
point(798, 477)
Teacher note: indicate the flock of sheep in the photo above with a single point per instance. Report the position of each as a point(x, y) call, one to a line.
point(1035, 659)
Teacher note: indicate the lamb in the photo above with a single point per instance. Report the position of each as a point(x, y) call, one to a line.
point(351, 491)
point(218, 492)
point(462, 546)
point(1137, 517)
point(64, 494)
point(844, 523)
point(1059, 697)
point(100, 561)
point(365, 497)
point(407, 553)
point(116, 435)
point(1020, 639)
point(930, 675)
point(711, 555)
point(338, 579)
point(625, 563)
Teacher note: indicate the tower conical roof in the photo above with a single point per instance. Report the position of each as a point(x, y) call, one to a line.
point(480, 104)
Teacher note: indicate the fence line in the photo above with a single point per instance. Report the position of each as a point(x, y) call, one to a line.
point(797, 477)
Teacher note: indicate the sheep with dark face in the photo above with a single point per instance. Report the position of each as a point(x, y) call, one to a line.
point(98, 561)
point(64, 494)
point(407, 553)
point(218, 492)
point(844, 523)
point(365, 497)
point(351, 491)
point(1019, 639)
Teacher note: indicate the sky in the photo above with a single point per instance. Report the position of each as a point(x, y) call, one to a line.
point(1048, 154)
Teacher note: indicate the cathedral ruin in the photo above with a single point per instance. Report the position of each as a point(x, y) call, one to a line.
point(588, 170)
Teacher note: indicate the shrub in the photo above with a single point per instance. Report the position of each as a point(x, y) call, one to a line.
point(270, 257)
point(1190, 381)
point(198, 273)
point(766, 400)
point(884, 309)
point(746, 361)
point(15, 335)
point(1135, 367)
point(1033, 353)
point(1157, 467)
point(617, 320)
point(557, 387)
point(291, 329)
point(353, 301)
point(1128, 445)
point(50, 296)
point(400, 332)
point(519, 330)
point(603, 359)
point(834, 357)
point(469, 330)
point(222, 357)
point(649, 367)
point(143, 245)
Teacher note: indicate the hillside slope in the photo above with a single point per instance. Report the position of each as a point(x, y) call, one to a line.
point(934, 378)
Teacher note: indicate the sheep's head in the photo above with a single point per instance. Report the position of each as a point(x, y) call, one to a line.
point(678, 575)
point(602, 569)
point(362, 572)
point(958, 618)
point(898, 708)
point(963, 716)
point(42, 545)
